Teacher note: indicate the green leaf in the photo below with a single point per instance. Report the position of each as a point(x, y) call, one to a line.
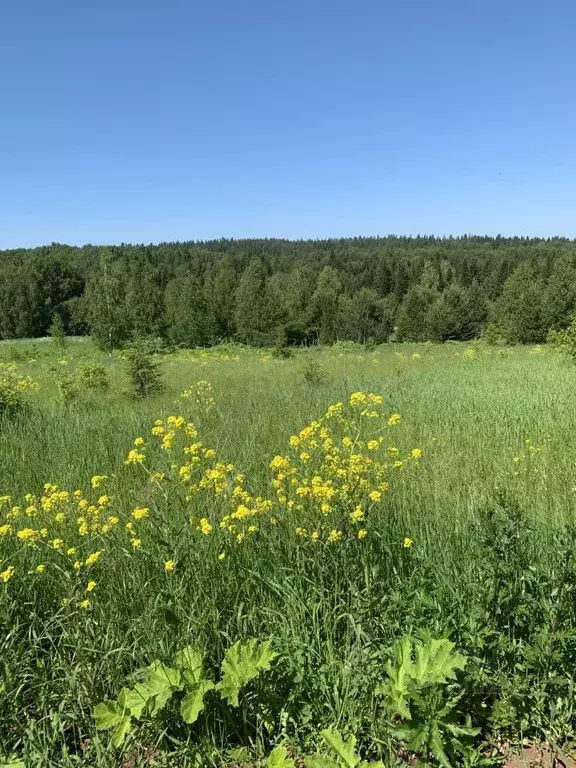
point(107, 715)
point(134, 700)
point(193, 703)
point(160, 676)
point(436, 662)
point(122, 730)
point(437, 747)
point(242, 663)
point(320, 762)
point(190, 661)
point(278, 758)
point(376, 764)
point(344, 749)
point(400, 674)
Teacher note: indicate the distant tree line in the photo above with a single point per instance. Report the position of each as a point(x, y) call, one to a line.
point(263, 292)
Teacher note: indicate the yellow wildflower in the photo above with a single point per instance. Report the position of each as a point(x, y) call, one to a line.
point(6, 575)
point(394, 419)
point(140, 512)
point(40, 568)
point(136, 543)
point(407, 543)
point(375, 496)
point(85, 604)
point(416, 453)
point(5, 530)
point(93, 558)
point(95, 482)
point(362, 533)
point(90, 586)
point(169, 566)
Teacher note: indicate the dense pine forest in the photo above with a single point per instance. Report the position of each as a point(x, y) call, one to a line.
point(266, 292)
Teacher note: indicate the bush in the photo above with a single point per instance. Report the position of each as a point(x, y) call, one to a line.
point(144, 371)
point(93, 376)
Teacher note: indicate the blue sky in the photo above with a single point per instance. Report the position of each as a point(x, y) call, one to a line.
point(141, 121)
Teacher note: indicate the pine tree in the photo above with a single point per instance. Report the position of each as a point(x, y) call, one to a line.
point(255, 314)
point(189, 321)
point(325, 304)
point(559, 301)
point(518, 313)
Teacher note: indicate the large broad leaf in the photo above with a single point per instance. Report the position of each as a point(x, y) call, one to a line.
point(278, 758)
point(320, 762)
point(190, 661)
point(193, 703)
point(134, 700)
point(121, 731)
point(437, 747)
point(436, 661)
point(242, 663)
point(107, 715)
point(345, 749)
point(400, 674)
point(162, 681)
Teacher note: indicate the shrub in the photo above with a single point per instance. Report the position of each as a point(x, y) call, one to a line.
point(93, 376)
point(144, 371)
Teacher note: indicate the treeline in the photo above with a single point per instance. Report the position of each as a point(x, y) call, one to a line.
point(264, 292)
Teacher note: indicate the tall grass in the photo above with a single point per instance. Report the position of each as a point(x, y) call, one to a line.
point(489, 508)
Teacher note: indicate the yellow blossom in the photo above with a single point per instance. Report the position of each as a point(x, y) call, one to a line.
point(40, 568)
point(90, 586)
point(95, 482)
point(416, 453)
point(169, 566)
point(375, 496)
point(85, 604)
point(140, 512)
point(5, 530)
point(93, 558)
point(407, 543)
point(139, 442)
point(136, 543)
point(6, 575)
point(57, 544)
point(362, 533)
point(394, 419)
point(334, 535)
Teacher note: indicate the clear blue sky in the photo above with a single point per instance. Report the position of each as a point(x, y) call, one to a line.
point(142, 121)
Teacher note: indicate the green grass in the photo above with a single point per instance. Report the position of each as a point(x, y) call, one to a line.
point(490, 566)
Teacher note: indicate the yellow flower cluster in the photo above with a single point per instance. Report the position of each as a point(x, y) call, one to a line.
point(335, 475)
point(201, 395)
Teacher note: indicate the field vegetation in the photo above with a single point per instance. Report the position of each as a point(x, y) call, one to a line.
point(252, 556)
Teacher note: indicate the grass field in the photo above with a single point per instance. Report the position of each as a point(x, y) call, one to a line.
point(472, 541)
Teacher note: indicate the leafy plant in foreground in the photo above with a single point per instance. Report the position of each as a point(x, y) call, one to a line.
point(242, 663)
point(420, 703)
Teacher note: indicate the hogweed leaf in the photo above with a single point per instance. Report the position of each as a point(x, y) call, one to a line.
point(122, 730)
point(242, 663)
point(278, 758)
point(190, 661)
point(436, 662)
point(107, 715)
point(320, 762)
point(133, 700)
point(193, 703)
point(345, 749)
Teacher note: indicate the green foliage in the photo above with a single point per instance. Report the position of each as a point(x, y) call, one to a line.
point(312, 372)
point(57, 331)
point(242, 663)
point(278, 758)
point(345, 753)
point(418, 699)
point(143, 371)
point(92, 376)
point(518, 314)
point(564, 340)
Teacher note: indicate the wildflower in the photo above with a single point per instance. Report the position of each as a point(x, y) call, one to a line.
point(315, 535)
point(85, 604)
point(222, 555)
point(27, 534)
point(95, 482)
point(134, 457)
point(334, 535)
point(399, 465)
point(104, 501)
point(57, 544)
point(394, 419)
point(140, 513)
point(416, 453)
point(375, 496)
point(77, 565)
point(136, 543)
point(60, 517)
point(90, 586)
point(93, 558)
point(139, 442)
point(205, 526)
point(372, 445)
point(5, 530)
point(40, 568)
point(357, 515)
point(6, 575)
point(169, 566)
point(407, 543)
point(301, 531)
point(362, 533)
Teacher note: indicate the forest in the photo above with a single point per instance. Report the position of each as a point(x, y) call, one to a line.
point(268, 292)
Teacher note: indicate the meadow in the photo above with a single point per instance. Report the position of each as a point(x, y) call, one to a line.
point(392, 526)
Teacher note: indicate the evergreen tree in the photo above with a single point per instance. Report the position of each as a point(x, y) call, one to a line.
point(518, 313)
point(458, 314)
point(256, 315)
point(559, 300)
point(144, 306)
point(188, 317)
point(220, 292)
point(411, 321)
point(325, 304)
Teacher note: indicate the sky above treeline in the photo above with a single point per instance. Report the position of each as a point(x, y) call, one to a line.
point(147, 121)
